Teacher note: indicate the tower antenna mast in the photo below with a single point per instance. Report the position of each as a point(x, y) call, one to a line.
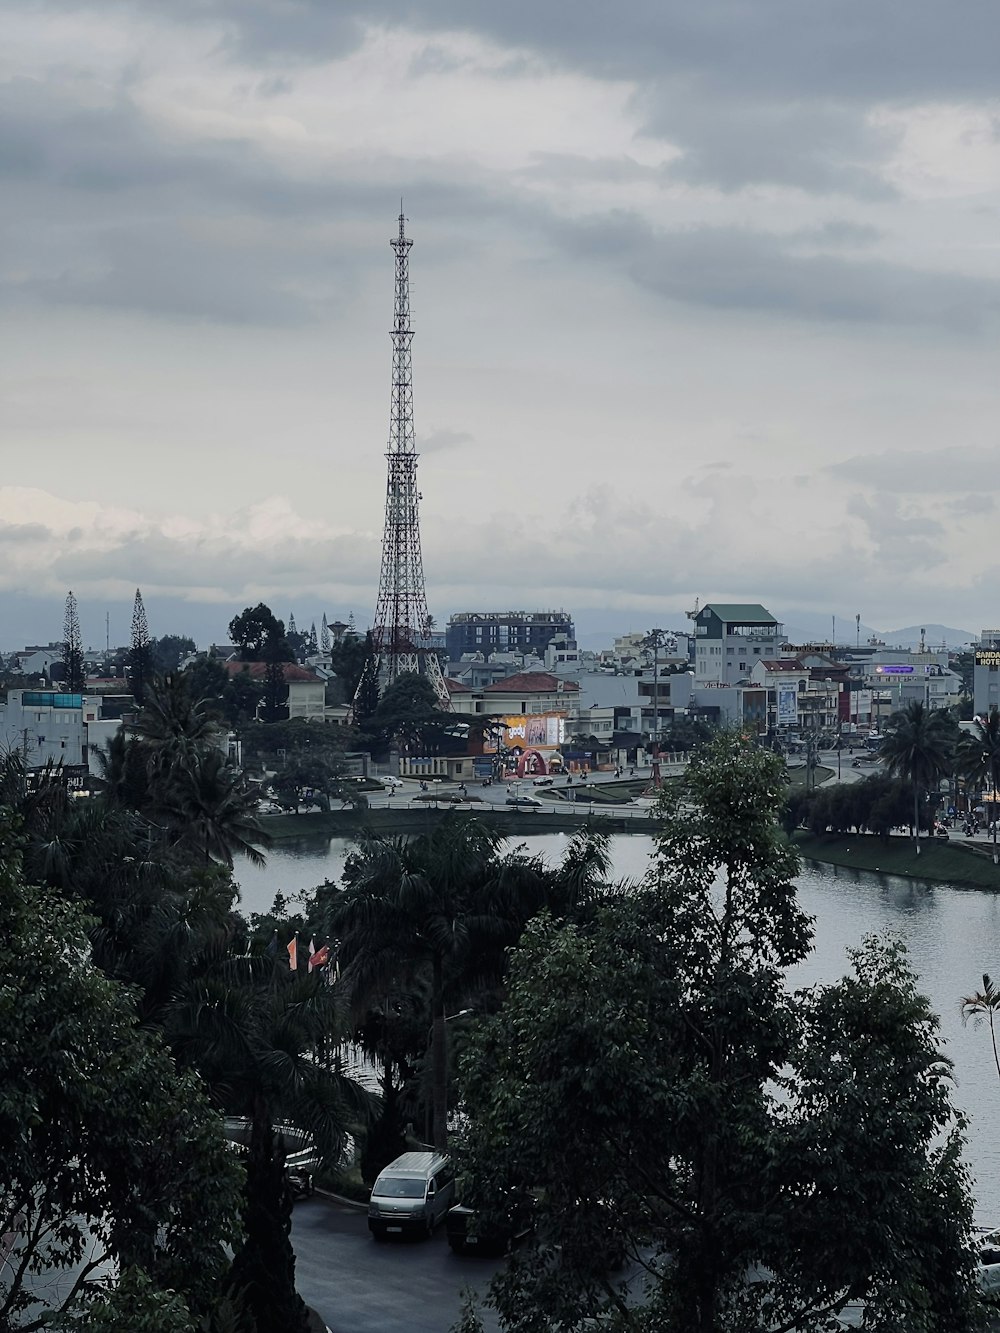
point(401, 627)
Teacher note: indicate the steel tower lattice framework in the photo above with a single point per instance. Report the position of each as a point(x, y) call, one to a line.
point(401, 628)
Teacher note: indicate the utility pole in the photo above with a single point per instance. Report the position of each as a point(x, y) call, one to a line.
point(654, 640)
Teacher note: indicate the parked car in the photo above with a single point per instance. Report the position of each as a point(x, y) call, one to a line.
point(522, 800)
point(389, 781)
point(542, 782)
point(411, 1195)
point(468, 1234)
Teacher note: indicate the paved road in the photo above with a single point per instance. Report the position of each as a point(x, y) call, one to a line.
point(360, 1286)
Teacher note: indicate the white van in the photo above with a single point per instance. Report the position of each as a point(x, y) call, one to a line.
point(411, 1195)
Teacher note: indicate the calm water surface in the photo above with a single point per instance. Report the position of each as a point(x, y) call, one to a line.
point(952, 935)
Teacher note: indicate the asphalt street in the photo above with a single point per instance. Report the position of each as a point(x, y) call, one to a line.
point(360, 1286)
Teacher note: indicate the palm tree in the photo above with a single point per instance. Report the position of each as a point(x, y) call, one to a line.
point(917, 748)
point(984, 1004)
point(208, 805)
point(173, 724)
point(253, 1030)
point(979, 757)
point(416, 905)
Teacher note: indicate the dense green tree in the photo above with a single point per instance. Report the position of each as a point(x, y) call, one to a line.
point(208, 682)
point(274, 696)
point(349, 658)
point(260, 635)
point(309, 777)
point(421, 907)
point(269, 745)
point(241, 698)
point(672, 1103)
point(978, 757)
point(167, 652)
point(917, 747)
point(104, 1148)
point(254, 1031)
point(408, 713)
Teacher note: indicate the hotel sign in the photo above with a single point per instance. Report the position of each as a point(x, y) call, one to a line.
point(988, 657)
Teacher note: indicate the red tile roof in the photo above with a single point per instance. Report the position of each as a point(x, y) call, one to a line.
point(532, 682)
point(785, 664)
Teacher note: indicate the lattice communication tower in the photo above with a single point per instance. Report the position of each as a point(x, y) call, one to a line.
point(401, 628)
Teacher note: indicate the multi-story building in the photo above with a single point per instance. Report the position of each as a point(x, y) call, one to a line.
point(48, 726)
point(986, 673)
point(505, 631)
point(730, 638)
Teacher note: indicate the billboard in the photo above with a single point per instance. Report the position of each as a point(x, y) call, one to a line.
point(537, 731)
point(788, 706)
point(862, 703)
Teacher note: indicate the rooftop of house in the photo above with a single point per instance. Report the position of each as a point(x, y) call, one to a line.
point(742, 613)
point(532, 682)
point(783, 665)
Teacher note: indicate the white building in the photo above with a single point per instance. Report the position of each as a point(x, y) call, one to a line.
point(47, 726)
point(730, 638)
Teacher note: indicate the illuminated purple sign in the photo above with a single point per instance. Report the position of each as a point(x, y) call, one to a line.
point(895, 670)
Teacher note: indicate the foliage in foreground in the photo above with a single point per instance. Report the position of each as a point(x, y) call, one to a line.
point(758, 1157)
point(105, 1149)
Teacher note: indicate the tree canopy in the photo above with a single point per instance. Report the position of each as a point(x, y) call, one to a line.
point(105, 1146)
point(758, 1156)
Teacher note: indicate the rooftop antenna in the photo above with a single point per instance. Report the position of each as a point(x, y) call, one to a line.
point(857, 627)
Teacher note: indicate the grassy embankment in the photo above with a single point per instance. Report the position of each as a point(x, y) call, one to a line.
point(946, 862)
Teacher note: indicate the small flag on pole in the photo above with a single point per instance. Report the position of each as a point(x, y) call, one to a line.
point(320, 957)
point(312, 950)
point(272, 947)
point(293, 952)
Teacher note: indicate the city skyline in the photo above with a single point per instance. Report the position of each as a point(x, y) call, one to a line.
point(705, 304)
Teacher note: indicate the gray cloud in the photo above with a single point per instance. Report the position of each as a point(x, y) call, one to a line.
point(736, 268)
point(955, 469)
point(750, 93)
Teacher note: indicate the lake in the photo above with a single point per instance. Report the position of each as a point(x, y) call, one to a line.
point(952, 936)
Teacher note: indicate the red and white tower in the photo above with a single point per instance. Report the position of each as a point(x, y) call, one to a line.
point(401, 627)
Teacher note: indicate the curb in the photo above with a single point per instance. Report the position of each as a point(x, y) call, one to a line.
point(340, 1199)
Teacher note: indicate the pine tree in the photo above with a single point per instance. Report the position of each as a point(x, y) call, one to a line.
point(140, 654)
point(313, 642)
point(291, 623)
point(72, 648)
point(324, 635)
point(367, 695)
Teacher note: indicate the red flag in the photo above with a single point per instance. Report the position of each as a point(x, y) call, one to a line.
point(293, 953)
point(320, 958)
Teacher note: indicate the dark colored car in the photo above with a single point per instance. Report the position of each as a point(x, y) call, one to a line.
point(468, 1234)
point(522, 800)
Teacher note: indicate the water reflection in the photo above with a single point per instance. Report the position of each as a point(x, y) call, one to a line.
point(952, 936)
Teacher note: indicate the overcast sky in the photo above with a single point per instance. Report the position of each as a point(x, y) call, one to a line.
point(705, 298)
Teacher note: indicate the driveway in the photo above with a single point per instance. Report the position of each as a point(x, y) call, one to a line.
point(360, 1286)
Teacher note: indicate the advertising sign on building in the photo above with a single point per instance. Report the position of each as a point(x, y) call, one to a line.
point(862, 703)
point(788, 706)
point(537, 731)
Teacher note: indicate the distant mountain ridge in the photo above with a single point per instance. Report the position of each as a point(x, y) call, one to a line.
point(934, 636)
